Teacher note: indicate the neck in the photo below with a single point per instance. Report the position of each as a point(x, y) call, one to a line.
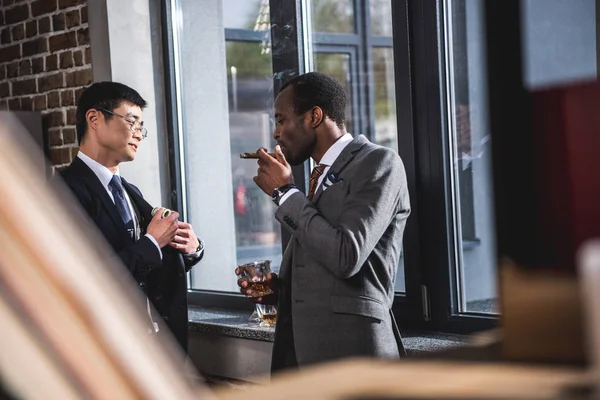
point(326, 140)
point(100, 155)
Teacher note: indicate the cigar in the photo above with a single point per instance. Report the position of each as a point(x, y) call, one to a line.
point(165, 213)
point(253, 155)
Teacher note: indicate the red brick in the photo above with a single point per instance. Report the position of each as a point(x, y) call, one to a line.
point(78, 93)
point(74, 151)
point(26, 103)
point(44, 25)
point(51, 62)
point(53, 100)
point(59, 22)
point(69, 135)
point(66, 59)
point(2, 72)
point(49, 82)
point(40, 7)
point(37, 65)
point(79, 78)
point(88, 55)
point(67, 98)
point(25, 68)
point(31, 29)
point(17, 14)
point(61, 155)
point(10, 53)
point(3, 104)
point(78, 57)
point(39, 103)
point(1, 18)
point(83, 37)
point(12, 70)
point(72, 18)
point(14, 104)
point(4, 90)
point(84, 15)
point(35, 46)
point(7, 3)
point(18, 32)
point(71, 116)
point(5, 36)
point(54, 137)
point(54, 119)
point(20, 88)
point(70, 3)
point(63, 41)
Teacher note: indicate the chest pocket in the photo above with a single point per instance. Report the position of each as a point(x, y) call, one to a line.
point(331, 202)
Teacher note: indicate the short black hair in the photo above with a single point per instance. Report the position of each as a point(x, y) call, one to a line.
point(320, 90)
point(106, 95)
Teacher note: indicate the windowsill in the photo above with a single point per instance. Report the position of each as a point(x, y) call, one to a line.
point(235, 323)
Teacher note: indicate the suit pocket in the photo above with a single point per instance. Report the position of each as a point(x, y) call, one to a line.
point(358, 305)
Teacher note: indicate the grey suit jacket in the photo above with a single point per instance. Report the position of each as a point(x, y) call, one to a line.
point(338, 271)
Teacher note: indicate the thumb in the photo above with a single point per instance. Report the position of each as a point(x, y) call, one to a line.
point(279, 155)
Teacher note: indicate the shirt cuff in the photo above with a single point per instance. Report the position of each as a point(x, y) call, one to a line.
point(149, 236)
point(287, 195)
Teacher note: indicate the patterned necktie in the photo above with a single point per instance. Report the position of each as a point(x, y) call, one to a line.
point(116, 188)
point(314, 178)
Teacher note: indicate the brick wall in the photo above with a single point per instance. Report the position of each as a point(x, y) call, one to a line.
point(45, 61)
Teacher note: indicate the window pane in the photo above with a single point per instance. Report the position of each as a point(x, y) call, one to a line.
point(246, 14)
point(386, 130)
point(338, 66)
point(249, 82)
point(381, 17)
point(333, 16)
point(370, 113)
point(471, 157)
point(226, 110)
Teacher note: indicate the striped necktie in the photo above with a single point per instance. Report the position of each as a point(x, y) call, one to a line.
point(314, 178)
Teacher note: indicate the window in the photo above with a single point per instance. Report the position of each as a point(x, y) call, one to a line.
point(352, 41)
point(470, 157)
point(414, 74)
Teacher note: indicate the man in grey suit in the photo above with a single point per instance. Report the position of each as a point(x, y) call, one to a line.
point(336, 283)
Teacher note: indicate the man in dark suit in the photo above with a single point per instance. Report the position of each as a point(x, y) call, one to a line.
point(336, 285)
point(157, 250)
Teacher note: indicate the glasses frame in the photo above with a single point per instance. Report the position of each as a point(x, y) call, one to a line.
point(143, 131)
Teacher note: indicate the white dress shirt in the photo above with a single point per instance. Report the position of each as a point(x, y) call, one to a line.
point(328, 159)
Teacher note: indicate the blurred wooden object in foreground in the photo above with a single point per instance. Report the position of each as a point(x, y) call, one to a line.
point(411, 379)
point(541, 316)
point(68, 312)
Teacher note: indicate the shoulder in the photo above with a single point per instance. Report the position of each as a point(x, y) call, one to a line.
point(379, 157)
point(132, 187)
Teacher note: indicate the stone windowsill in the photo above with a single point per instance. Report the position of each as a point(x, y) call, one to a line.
point(235, 323)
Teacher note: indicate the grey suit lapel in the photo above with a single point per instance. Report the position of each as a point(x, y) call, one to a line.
point(343, 159)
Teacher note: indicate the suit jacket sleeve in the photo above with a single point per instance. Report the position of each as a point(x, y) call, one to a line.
point(372, 202)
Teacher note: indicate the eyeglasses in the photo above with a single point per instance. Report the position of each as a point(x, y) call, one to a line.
point(134, 126)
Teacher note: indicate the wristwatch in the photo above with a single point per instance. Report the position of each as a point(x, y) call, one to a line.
point(200, 245)
point(280, 191)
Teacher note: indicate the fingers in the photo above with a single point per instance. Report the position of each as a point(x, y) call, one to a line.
point(279, 155)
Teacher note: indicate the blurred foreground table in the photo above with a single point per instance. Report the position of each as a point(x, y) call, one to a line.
point(362, 379)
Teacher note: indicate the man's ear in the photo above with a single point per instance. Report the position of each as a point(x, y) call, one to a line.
point(92, 117)
point(316, 117)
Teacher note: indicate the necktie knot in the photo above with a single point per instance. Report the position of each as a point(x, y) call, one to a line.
point(115, 184)
point(314, 179)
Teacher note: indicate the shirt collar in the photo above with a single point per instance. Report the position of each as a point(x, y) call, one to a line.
point(336, 149)
point(103, 173)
